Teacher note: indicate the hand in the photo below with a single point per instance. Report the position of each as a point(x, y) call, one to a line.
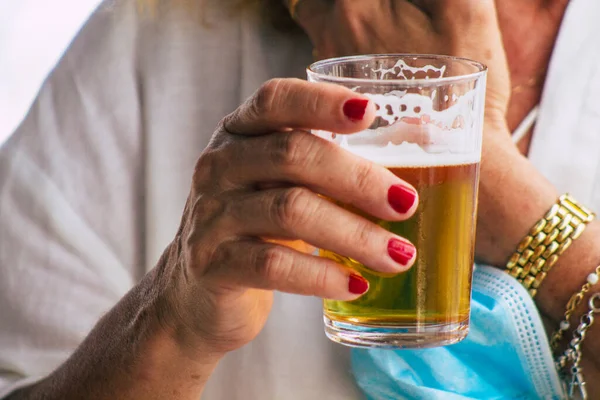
point(261, 178)
point(513, 194)
point(465, 28)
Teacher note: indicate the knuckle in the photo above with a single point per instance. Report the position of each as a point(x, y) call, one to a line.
point(217, 258)
point(321, 280)
point(363, 176)
point(199, 252)
point(363, 234)
point(317, 102)
point(265, 100)
point(205, 169)
point(222, 137)
point(270, 262)
point(229, 124)
point(292, 208)
point(296, 151)
point(223, 254)
point(212, 169)
point(288, 148)
point(206, 209)
point(203, 240)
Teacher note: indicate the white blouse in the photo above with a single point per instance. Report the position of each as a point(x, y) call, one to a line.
point(93, 183)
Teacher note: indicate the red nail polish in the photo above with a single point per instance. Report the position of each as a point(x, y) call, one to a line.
point(401, 198)
point(357, 284)
point(355, 109)
point(400, 251)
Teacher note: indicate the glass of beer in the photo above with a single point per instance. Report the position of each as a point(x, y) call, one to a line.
point(428, 131)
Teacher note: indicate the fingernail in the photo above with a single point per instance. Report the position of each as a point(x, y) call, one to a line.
point(357, 284)
point(355, 109)
point(401, 198)
point(402, 252)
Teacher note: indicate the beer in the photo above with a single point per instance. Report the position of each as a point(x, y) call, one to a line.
point(437, 289)
point(427, 129)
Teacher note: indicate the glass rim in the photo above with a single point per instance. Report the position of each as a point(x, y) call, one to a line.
point(481, 70)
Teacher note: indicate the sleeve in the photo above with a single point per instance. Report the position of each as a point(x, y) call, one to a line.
point(71, 187)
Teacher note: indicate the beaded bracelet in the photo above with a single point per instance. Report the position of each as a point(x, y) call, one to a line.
point(573, 303)
point(568, 364)
point(547, 240)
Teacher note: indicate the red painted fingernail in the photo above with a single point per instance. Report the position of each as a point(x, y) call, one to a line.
point(401, 198)
point(400, 251)
point(357, 284)
point(355, 109)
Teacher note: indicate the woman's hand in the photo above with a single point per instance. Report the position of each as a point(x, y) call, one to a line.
point(465, 28)
point(264, 177)
point(513, 194)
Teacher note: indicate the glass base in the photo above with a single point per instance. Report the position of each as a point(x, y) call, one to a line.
point(404, 337)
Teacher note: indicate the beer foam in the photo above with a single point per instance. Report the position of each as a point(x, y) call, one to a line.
point(411, 155)
point(428, 128)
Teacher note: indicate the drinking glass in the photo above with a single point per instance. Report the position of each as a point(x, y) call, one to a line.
point(428, 131)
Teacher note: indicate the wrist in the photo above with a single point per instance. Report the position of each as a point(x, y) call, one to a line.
point(184, 339)
point(131, 354)
point(570, 272)
point(168, 290)
point(495, 123)
point(513, 197)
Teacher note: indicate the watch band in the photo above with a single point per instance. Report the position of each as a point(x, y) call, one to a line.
point(547, 240)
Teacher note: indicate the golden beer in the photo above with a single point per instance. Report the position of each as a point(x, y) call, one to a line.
point(428, 130)
point(437, 289)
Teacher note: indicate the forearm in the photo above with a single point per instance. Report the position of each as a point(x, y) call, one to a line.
point(510, 204)
point(524, 198)
point(130, 354)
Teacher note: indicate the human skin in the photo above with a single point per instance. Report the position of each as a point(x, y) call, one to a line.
point(170, 331)
point(515, 39)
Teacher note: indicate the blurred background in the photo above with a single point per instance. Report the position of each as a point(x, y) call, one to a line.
point(33, 36)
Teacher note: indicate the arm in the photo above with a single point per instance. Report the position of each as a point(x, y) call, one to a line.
point(71, 243)
point(131, 353)
point(213, 287)
point(513, 197)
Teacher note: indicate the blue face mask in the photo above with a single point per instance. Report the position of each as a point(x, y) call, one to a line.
point(505, 356)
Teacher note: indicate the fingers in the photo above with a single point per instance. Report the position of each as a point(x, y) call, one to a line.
point(461, 14)
point(261, 265)
point(300, 158)
point(299, 213)
point(281, 104)
point(311, 14)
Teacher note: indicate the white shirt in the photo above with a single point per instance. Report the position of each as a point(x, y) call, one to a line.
point(33, 36)
point(93, 183)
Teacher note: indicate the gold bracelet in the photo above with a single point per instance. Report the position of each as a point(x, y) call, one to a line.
point(547, 240)
point(292, 6)
point(573, 303)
